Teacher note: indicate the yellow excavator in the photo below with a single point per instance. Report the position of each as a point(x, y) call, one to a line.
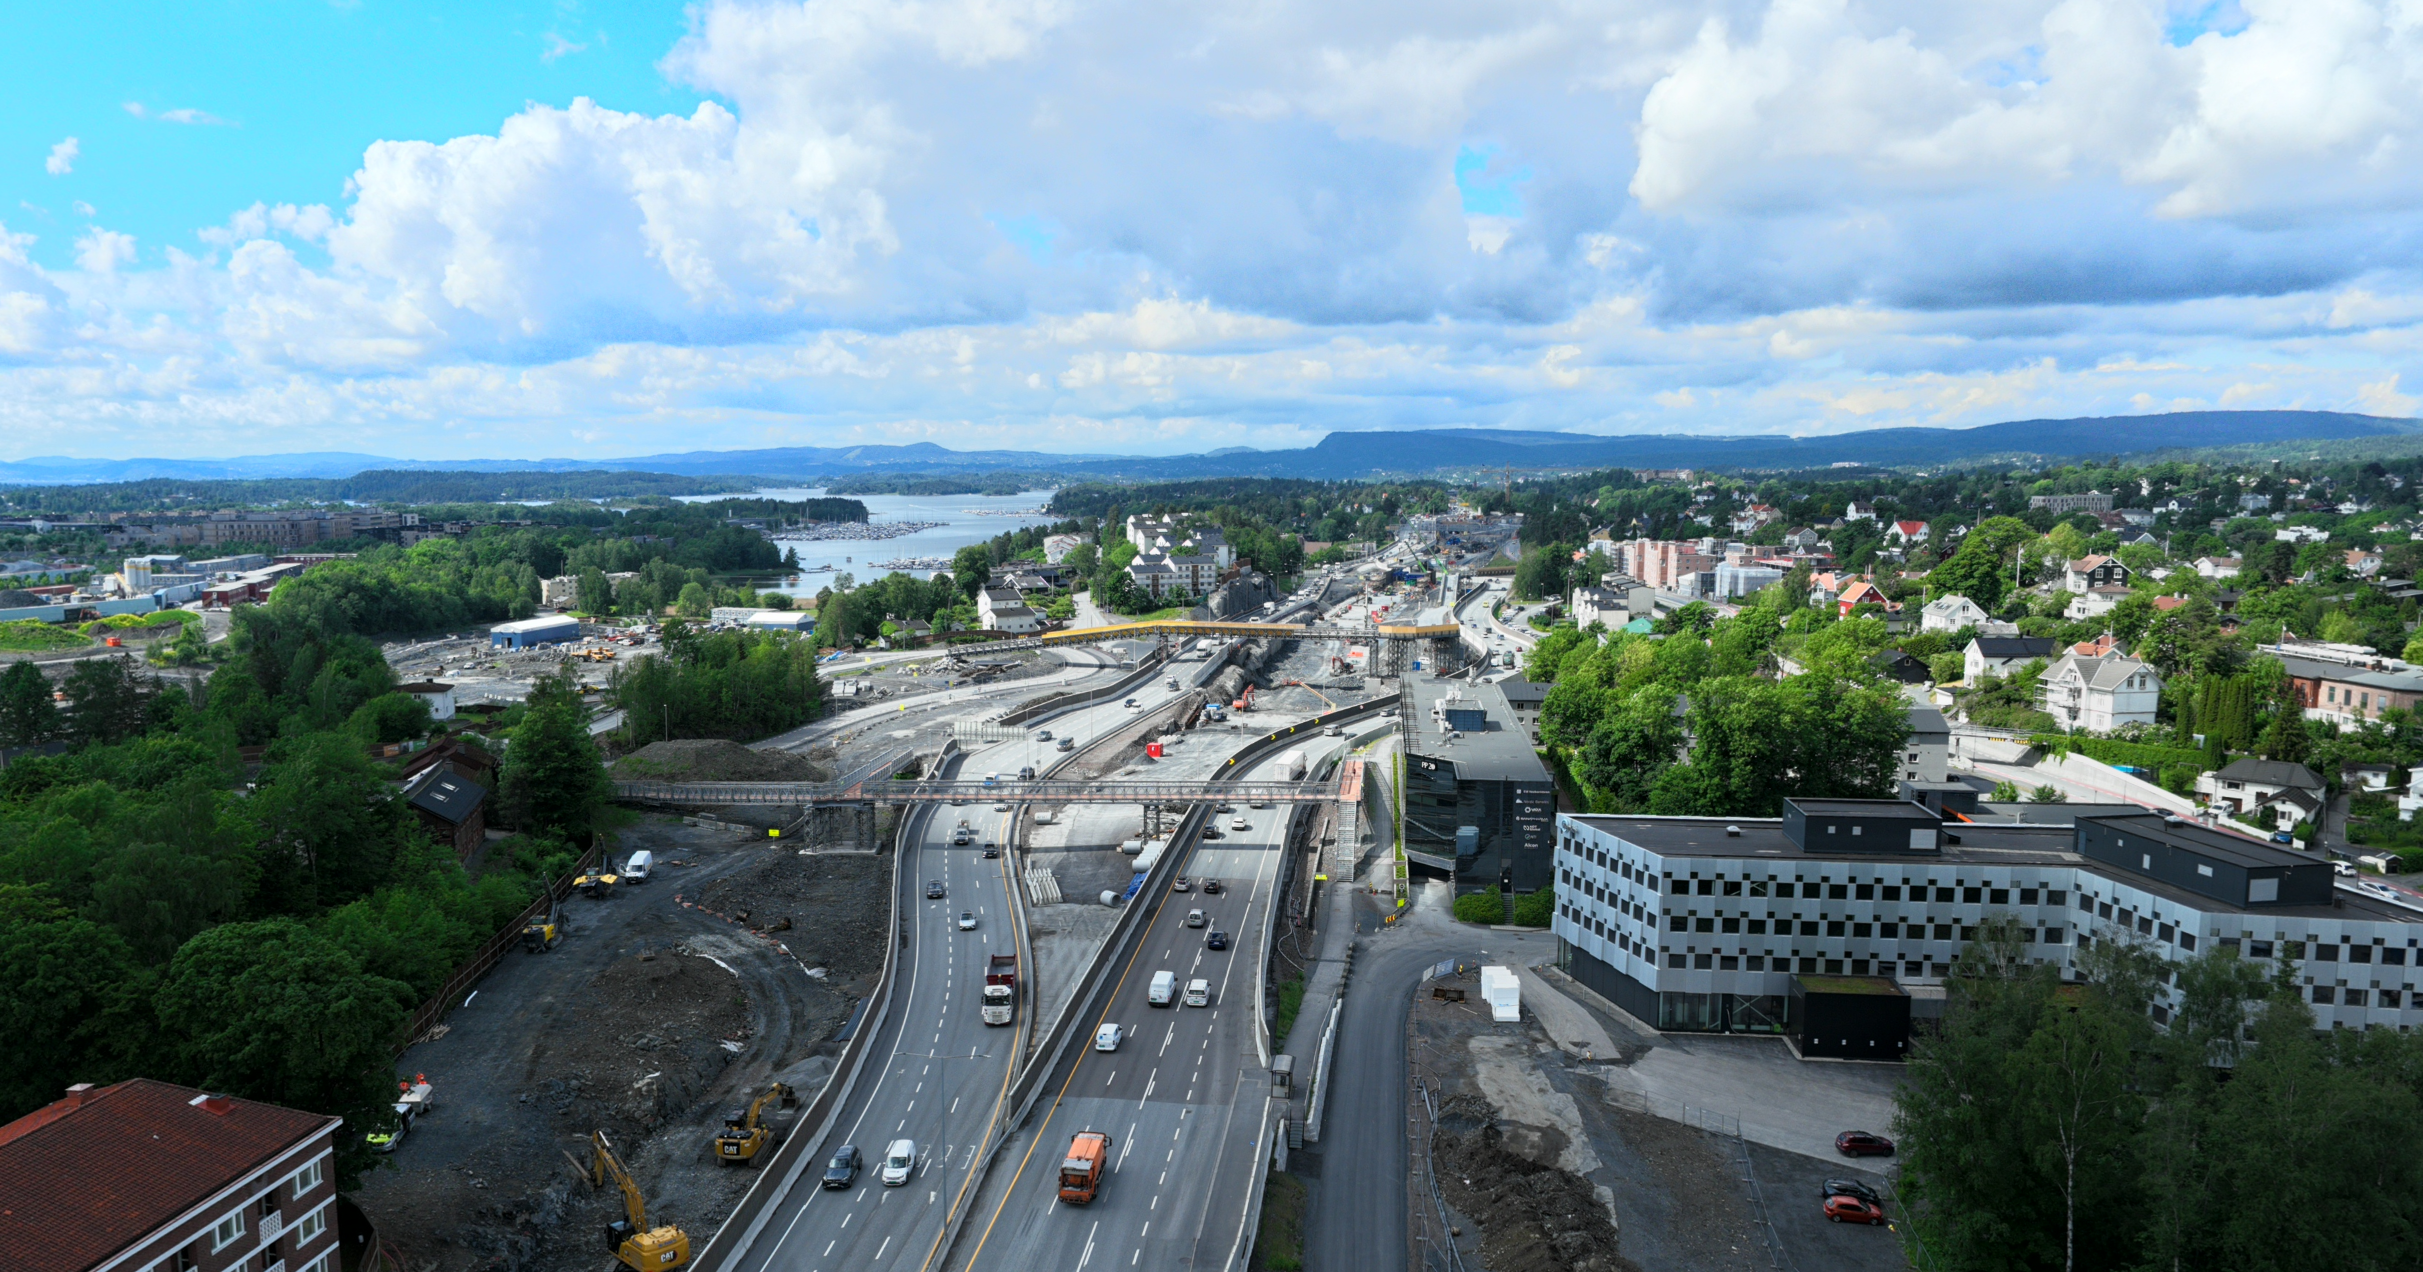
point(598, 883)
point(541, 936)
point(746, 1132)
point(636, 1245)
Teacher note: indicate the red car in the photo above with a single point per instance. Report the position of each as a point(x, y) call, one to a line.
point(1850, 1209)
point(1862, 1144)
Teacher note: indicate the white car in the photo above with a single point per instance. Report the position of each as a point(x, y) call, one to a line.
point(1107, 1038)
point(898, 1161)
point(1240, 824)
point(967, 921)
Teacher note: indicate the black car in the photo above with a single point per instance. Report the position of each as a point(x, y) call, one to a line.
point(1216, 941)
point(991, 849)
point(1211, 832)
point(1850, 1188)
point(1211, 887)
point(933, 889)
point(842, 1171)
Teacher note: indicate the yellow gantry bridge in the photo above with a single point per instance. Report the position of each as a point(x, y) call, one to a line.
point(1179, 629)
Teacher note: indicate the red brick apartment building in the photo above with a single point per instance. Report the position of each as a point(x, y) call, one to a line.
point(148, 1177)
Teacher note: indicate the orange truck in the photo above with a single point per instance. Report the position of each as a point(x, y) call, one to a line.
point(1089, 1154)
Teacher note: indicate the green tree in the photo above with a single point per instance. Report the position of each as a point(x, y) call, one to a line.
point(74, 997)
point(1981, 569)
point(554, 782)
point(332, 823)
point(273, 1011)
point(26, 713)
point(1484, 906)
point(1541, 664)
point(108, 700)
point(694, 601)
point(390, 717)
point(1536, 909)
point(595, 592)
point(972, 566)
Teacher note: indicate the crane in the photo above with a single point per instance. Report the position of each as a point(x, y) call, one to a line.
point(746, 1132)
point(636, 1245)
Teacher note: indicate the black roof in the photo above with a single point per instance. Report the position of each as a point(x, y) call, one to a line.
point(2015, 646)
point(445, 793)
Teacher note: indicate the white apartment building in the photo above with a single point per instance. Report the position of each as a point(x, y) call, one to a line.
point(1698, 923)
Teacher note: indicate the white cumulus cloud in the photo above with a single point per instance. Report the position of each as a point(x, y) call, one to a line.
point(62, 158)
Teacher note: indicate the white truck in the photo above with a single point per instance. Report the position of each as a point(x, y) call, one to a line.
point(1291, 766)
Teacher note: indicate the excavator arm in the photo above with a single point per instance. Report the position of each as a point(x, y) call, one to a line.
point(605, 1164)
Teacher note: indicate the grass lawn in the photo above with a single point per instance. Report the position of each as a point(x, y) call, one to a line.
point(1291, 1001)
point(34, 635)
point(1159, 615)
point(1279, 1241)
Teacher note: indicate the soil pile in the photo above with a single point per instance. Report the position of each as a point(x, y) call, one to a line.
point(715, 760)
point(1533, 1218)
point(834, 904)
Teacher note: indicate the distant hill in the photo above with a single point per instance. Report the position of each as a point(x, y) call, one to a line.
point(1351, 455)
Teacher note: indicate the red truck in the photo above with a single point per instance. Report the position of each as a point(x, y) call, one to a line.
point(1000, 989)
point(1089, 1154)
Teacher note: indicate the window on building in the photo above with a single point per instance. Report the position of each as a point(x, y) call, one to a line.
point(1675, 961)
point(309, 1228)
point(1972, 896)
point(2325, 993)
point(2056, 896)
point(229, 1231)
point(1889, 931)
point(1892, 892)
point(1679, 924)
point(1943, 894)
point(1758, 927)
point(2359, 953)
point(1866, 892)
point(1755, 963)
point(1681, 888)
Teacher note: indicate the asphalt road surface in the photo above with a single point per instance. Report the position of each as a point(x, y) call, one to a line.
point(1184, 1145)
point(944, 1072)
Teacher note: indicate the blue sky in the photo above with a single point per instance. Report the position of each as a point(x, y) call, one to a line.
point(521, 230)
point(302, 88)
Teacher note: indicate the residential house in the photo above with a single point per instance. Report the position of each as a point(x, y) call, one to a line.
point(1525, 696)
point(2301, 534)
point(1056, 547)
point(2138, 516)
point(2133, 536)
point(1801, 541)
point(2213, 567)
point(2249, 787)
point(440, 697)
point(2088, 573)
point(1926, 757)
point(2362, 562)
point(1950, 614)
point(1600, 605)
point(1857, 511)
point(145, 1176)
point(446, 785)
point(2099, 693)
point(2254, 503)
point(1902, 534)
point(1862, 592)
point(2091, 501)
point(1900, 667)
point(1158, 574)
point(2097, 602)
point(998, 609)
point(2002, 655)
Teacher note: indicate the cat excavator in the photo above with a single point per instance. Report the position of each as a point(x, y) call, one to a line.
point(635, 1245)
point(746, 1132)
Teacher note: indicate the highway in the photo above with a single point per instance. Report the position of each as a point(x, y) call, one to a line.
point(938, 1074)
point(1185, 1146)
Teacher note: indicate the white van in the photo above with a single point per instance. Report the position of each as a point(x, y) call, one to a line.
point(899, 1161)
point(1164, 987)
point(1198, 992)
point(636, 869)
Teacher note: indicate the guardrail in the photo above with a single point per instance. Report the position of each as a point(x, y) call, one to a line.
point(778, 1176)
point(1146, 668)
point(1030, 1085)
point(1038, 791)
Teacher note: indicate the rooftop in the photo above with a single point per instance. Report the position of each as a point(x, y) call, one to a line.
point(1501, 751)
point(88, 1175)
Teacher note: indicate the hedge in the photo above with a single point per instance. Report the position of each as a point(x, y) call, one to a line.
point(2142, 755)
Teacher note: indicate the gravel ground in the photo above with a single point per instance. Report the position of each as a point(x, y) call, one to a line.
point(660, 1010)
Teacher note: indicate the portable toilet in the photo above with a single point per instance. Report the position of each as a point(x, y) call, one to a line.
point(1502, 992)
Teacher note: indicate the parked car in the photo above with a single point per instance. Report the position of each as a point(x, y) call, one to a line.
point(1850, 1188)
point(1108, 1037)
point(898, 1162)
point(1862, 1144)
point(1850, 1209)
point(967, 921)
point(1216, 941)
point(842, 1170)
point(933, 889)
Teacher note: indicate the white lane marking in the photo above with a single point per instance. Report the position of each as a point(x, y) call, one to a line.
point(845, 1219)
point(1089, 1246)
point(828, 1248)
point(887, 1244)
point(954, 1105)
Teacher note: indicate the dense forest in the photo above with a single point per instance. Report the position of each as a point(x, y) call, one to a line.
point(985, 483)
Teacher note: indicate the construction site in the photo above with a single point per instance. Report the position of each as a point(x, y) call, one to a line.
point(662, 1008)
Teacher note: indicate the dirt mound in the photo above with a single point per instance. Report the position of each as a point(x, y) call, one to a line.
point(1533, 1218)
point(833, 903)
point(715, 760)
